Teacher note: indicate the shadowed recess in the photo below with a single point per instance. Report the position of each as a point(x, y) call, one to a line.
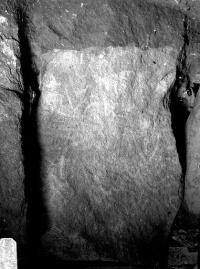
point(36, 211)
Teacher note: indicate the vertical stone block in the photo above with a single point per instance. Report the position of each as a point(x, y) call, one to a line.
point(111, 169)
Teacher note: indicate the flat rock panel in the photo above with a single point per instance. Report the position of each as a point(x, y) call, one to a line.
point(110, 166)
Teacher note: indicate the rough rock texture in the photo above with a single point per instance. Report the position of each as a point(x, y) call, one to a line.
point(82, 24)
point(12, 206)
point(109, 153)
point(193, 150)
point(189, 7)
point(101, 174)
point(107, 146)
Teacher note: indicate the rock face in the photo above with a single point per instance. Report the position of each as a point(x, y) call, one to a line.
point(109, 153)
point(82, 24)
point(12, 205)
point(89, 145)
point(192, 187)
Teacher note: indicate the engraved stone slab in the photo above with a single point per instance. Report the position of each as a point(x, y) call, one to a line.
point(8, 253)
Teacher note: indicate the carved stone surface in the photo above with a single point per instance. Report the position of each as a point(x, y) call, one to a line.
point(109, 154)
point(90, 159)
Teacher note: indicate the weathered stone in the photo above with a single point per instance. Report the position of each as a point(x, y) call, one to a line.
point(180, 255)
point(192, 187)
point(111, 170)
point(100, 164)
point(12, 206)
point(189, 7)
point(85, 23)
